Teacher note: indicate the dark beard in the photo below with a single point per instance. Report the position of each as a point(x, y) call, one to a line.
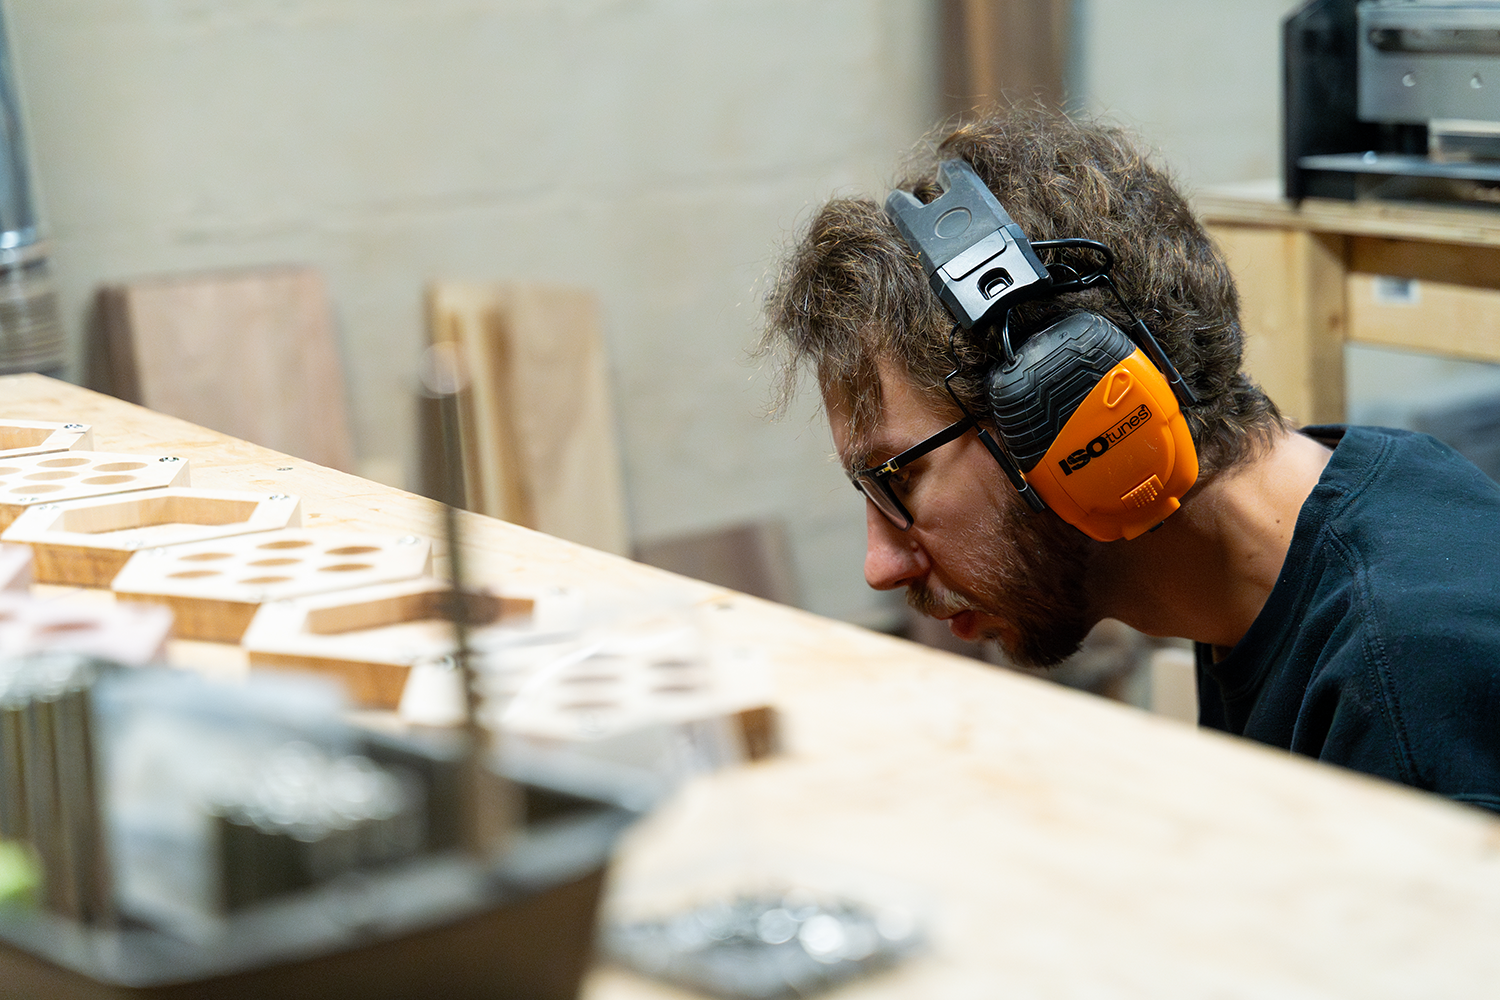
point(1034, 579)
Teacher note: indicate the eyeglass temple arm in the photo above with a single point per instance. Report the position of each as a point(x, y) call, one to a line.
point(1012, 473)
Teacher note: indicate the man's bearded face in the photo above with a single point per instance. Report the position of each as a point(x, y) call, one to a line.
point(1024, 572)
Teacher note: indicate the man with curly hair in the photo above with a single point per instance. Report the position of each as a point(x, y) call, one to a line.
point(1340, 583)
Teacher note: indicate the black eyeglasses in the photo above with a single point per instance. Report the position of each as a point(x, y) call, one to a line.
point(874, 482)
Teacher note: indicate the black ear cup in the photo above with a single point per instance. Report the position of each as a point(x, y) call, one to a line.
point(1035, 393)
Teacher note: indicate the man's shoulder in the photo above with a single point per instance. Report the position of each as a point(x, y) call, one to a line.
point(1391, 490)
point(1416, 530)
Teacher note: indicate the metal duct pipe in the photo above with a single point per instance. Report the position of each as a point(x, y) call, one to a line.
point(31, 338)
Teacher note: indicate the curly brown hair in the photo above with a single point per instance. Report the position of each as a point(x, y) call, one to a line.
point(851, 292)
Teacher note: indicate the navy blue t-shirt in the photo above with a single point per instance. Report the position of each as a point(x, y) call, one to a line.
point(1379, 647)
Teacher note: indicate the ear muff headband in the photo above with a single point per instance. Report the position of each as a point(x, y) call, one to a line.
point(1086, 417)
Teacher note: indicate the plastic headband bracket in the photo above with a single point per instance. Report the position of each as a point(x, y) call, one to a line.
point(976, 258)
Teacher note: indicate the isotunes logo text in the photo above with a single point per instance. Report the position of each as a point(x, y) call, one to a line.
point(1119, 432)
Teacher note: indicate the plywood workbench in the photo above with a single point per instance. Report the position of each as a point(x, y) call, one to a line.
point(1315, 275)
point(1059, 845)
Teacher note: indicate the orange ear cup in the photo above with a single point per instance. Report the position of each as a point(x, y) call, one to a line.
point(1123, 460)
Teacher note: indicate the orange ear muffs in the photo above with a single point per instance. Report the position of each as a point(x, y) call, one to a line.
point(1095, 427)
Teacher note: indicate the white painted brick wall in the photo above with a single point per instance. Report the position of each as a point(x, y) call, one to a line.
point(658, 150)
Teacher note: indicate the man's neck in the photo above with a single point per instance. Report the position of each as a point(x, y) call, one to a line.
point(1206, 572)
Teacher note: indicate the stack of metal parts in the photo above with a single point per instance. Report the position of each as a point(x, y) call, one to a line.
point(49, 789)
point(304, 817)
point(31, 337)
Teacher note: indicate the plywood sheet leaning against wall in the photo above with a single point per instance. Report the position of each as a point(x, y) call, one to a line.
point(250, 353)
point(86, 542)
point(215, 587)
point(537, 414)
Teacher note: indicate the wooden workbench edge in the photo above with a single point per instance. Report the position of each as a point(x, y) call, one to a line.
point(1261, 204)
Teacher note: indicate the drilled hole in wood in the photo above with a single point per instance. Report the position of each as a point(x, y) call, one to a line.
point(9, 470)
point(119, 466)
point(674, 689)
point(286, 543)
point(108, 480)
point(261, 580)
point(73, 626)
point(205, 556)
point(59, 463)
point(283, 561)
point(344, 567)
point(39, 488)
point(353, 550)
point(51, 475)
point(673, 664)
point(193, 574)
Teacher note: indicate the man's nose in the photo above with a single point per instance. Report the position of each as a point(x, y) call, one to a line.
point(892, 557)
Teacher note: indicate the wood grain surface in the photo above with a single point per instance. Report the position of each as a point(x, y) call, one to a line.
point(1057, 845)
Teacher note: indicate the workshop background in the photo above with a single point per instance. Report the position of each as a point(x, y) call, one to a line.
point(658, 151)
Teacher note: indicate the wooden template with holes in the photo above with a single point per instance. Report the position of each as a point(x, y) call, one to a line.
point(85, 543)
point(371, 637)
point(596, 688)
point(28, 480)
point(214, 587)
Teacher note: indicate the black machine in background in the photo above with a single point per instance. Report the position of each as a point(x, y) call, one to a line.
point(1392, 99)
